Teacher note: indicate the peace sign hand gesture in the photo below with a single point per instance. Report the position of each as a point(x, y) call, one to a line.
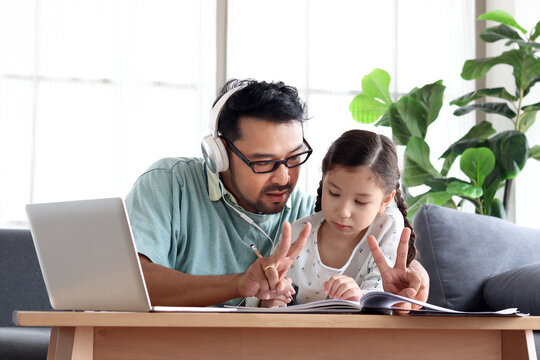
point(411, 282)
point(265, 277)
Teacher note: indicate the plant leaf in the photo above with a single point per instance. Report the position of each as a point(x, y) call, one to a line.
point(534, 152)
point(499, 32)
point(511, 152)
point(464, 189)
point(526, 120)
point(477, 163)
point(408, 117)
point(503, 17)
point(461, 145)
point(418, 167)
point(536, 32)
point(377, 84)
point(384, 120)
point(532, 107)
point(500, 93)
point(492, 184)
point(365, 109)
point(430, 197)
point(496, 209)
point(439, 184)
point(431, 96)
point(531, 84)
point(492, 108)
point(523, 43)
point(477, 133)
point(448, 162)
point(526, 66)
point(482, 130)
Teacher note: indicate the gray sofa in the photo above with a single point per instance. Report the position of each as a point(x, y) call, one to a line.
point(21, 288)
point(479, 262)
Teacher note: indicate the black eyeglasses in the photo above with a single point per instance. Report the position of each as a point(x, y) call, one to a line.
point(267, 166)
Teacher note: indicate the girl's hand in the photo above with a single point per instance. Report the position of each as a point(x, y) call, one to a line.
point(411, 282)
point(277, 302)
point(342, 287)
point(281, 300)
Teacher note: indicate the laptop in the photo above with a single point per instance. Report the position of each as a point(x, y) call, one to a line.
point(88, 257)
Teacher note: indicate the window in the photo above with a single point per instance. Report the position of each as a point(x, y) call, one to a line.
point(93, 92)
point(325, 48)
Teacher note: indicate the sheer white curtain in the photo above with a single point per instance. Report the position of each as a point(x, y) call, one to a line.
point(325, 48)
point(92, 92)
point(527, 196)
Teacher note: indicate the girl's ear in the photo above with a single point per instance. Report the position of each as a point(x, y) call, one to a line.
point(387, 200)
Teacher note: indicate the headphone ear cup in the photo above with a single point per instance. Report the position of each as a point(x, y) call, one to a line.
point(215, 154)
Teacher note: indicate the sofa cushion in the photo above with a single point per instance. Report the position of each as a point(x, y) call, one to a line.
point(518, 287)
point(460, 251)
point(21, 283)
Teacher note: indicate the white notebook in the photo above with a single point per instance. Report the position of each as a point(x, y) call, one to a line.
point(375, 300)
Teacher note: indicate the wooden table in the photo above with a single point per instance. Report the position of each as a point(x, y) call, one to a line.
point(115, 335)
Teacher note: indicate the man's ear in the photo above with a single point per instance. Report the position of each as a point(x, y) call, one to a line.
point(387, 200)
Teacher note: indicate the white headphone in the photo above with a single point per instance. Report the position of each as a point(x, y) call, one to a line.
point(213, 149)
point(217, 160)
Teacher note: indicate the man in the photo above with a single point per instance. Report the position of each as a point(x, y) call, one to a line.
point(194, 221)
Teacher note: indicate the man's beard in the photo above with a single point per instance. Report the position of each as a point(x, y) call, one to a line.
point(259, 205)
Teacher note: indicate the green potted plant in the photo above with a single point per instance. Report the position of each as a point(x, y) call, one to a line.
point(489, 159)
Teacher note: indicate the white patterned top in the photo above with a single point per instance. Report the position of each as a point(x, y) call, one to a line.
point(308, 272)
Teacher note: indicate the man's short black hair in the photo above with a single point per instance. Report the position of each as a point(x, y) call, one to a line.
point(270, 101)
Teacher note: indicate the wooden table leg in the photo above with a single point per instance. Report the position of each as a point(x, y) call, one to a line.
point(69, 343)
point(83, 343)
point(518, 344)
point(61, 343)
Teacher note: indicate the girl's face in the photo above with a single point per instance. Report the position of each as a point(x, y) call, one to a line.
point(351, 199)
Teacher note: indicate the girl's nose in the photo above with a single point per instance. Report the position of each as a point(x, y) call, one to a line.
point(343, 210)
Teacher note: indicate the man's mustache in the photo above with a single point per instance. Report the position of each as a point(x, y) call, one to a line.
point(278, 187)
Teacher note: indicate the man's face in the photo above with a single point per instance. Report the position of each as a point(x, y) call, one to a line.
point(264, 140)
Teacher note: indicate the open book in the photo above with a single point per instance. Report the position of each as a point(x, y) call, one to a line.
point(376, 300)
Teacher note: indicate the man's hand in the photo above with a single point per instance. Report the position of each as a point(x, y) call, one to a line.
point(411, 282)
point(265, 277)
point(342, 287)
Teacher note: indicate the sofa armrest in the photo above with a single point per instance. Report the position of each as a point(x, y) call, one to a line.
point(24, 343)
point(519, 287)
point(461, 251)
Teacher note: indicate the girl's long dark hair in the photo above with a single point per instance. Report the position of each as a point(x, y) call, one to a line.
point(377, 152)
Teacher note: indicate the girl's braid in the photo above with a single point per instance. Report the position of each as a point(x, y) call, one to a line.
point(402, 206)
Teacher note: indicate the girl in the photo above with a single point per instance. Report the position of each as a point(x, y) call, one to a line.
point(360, 181)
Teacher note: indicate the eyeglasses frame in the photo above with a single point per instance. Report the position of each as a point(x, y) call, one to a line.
point(277, 163)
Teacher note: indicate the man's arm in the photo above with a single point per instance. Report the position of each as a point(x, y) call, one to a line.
point(264, 278)
point(168, 287)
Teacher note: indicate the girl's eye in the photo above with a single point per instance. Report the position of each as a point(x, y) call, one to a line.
point(333, 194)
point(360, 203)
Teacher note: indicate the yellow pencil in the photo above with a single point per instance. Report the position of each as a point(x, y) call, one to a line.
point(256, 251)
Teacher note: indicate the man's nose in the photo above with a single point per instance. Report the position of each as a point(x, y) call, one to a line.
point(281, 175)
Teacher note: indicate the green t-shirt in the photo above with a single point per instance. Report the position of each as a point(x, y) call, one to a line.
point(180, 220)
